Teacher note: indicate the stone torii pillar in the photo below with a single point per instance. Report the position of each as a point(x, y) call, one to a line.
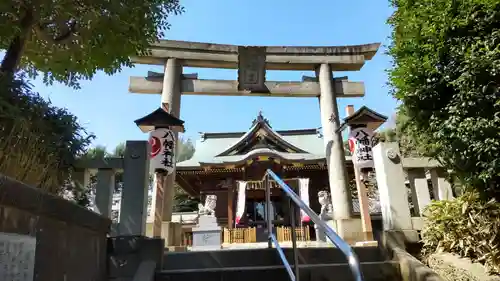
point(334, 151)
point(171, 96)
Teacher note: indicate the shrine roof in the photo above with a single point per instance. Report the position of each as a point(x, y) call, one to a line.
point(261, 139)
point(365, 115)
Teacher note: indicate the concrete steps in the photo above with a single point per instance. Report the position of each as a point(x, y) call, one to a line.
point(372, 271)
point(315, 264)
point(263, 257)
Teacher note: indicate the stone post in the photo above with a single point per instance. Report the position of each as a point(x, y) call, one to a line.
point(171, 95)
point(335, 156)
point(440, 186)
point(104, 191)
point(135, 189)
point(419, 190)
point(390, 176)
point(81, 177)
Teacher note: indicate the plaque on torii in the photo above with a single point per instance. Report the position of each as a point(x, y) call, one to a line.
point(252, 69)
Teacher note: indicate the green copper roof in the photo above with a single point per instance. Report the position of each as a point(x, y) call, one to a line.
point(210, 145)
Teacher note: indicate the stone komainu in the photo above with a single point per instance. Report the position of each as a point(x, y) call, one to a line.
point(209, 208)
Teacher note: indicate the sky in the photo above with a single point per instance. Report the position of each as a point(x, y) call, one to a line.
point(106, 108)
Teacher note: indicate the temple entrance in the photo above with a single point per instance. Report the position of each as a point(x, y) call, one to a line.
point(256, 211)
point(309, 153)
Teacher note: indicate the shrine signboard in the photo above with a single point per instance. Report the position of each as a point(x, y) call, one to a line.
point(360, 144)
point(17, 257)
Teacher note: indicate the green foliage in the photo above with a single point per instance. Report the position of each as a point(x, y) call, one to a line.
point(183, 202)
point(39, 142)
point(72, 40)
point(466, 226)
point(403, 135)
point(446, 64)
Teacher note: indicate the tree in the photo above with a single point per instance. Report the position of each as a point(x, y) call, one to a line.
point(446, 65)
point(401, 134)
point(72, 40)
point(39, 142)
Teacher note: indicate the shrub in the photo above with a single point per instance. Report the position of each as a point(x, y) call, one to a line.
point(465, 226)
point(38, 141)
point(445, 74)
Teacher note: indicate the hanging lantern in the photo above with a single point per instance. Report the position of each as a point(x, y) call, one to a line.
point(161, 126)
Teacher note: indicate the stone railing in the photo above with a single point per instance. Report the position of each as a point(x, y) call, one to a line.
point(134, 195)
point(44, 237)
point(393, 172)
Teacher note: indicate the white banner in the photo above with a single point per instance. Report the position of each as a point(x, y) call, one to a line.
point(360, 145)
point(162, 142)
point(240, 203)
point(304, 196)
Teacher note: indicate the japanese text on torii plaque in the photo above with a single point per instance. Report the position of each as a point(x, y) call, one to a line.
point(252, 69)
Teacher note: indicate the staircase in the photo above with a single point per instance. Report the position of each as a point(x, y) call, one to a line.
point(315, 264)
point(279, 263)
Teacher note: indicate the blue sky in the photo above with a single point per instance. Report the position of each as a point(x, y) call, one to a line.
point(106, 108)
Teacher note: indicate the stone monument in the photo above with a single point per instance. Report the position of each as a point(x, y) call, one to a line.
point(17, 257)
point(207, 233)
point(326, 214)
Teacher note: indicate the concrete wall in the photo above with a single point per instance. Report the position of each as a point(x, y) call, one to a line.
point(71, 241)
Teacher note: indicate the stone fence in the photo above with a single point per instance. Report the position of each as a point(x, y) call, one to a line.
point(426, 179)
point(49, 238)
point(134, 195)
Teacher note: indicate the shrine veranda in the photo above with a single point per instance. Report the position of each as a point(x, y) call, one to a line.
point(231, 165)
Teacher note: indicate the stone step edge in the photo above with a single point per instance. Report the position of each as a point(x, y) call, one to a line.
point(267, 267)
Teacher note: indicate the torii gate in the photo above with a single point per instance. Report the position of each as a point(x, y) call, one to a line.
point(252, 63)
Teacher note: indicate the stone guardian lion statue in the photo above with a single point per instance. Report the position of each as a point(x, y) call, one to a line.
point(209, 208)
point(325, 201)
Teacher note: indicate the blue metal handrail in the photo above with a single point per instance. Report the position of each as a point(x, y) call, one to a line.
point(352, 259)
point(282, 256)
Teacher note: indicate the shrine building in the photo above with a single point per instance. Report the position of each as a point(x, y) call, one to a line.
point(231, 165)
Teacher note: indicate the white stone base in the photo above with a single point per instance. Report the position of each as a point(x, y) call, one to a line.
point(372, 243)
point(350, 230)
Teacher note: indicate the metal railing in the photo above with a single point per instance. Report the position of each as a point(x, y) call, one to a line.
point(352, 259)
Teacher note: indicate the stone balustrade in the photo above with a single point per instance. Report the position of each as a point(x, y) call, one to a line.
point(393, 173)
